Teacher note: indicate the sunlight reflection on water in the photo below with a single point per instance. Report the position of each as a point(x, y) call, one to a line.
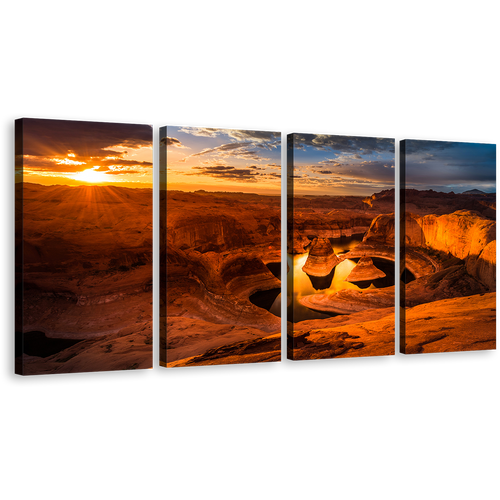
point(306, 285)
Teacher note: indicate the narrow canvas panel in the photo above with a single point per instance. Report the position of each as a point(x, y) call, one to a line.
point(220, 259)
point(83, 246)
point(448, 255)
point(341, 299)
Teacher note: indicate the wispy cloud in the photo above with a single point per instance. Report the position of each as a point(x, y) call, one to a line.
point(241, 150)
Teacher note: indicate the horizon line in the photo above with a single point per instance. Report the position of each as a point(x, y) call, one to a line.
point(81, 185)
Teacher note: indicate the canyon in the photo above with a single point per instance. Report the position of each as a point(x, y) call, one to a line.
point(216, 254)
point(450, 254)
point(83, 278)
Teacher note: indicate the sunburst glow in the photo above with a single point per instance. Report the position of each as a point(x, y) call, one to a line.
point(92, 176)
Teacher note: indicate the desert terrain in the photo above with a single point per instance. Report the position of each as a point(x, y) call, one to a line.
point(448, 292)
point(85, 285)
point(217, 257)
point(448, 276)
point(221, 255)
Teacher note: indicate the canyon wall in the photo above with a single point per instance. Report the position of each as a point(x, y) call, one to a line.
point(463, 234)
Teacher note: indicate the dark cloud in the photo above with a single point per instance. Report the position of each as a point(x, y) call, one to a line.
point(450, 165)
point(345, 144)
point(57, 137)
point(324, 172)
point(227, 172)
point(171, 141)
point(62, 146)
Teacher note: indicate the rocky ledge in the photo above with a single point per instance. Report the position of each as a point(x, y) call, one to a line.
point(350, 301)
point(458, 324)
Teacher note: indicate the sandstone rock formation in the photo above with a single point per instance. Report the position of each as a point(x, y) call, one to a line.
point(217, 249)
point(297, 242)
point(365, 270)
point(87, 275)
point(330, 217)
point(378, 241)
point(366, 333)
point(350, 301)
point(463, 234)
point(439, 326)
point(321, 259)
point(250, 350)
point(464, 324)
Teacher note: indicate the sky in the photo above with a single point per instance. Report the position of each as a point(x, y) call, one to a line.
point(83, 153)
point(338, 165)
point(215, 159)
point(450, 166)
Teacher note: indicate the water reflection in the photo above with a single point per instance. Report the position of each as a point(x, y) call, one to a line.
point(322, 282)
point(303, 284)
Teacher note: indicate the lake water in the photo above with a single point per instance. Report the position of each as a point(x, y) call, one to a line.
point(310, 285)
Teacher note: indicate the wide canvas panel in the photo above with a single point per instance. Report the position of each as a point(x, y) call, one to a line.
point(448, 255)
point(83, 246)
point(220, 239)
point(340, 213)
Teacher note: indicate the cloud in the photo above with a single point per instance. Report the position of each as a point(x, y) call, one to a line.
point(172, 142)
point(63, 146)
point(324, 172)
point(256, 136)
point(227, 172)
point(56, 137)
point(201, 131)
point(121, 162)
point(366, 172)
point(241, 148)
point(446, 164)
point(331, 163)
point(230, 150)
point(223, 148)
point(121, 171)
point(345, 144)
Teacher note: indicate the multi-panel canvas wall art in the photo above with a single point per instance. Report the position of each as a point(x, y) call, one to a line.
point(83, 246)
point(448, 255)
point(220, 258)
point(341, 299)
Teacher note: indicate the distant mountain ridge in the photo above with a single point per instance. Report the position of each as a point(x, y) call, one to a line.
point(474, 191)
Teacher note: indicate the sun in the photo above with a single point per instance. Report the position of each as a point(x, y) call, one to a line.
point(92, 176)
